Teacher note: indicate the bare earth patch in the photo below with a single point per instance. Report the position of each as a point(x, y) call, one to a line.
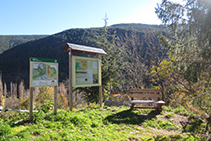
point(178, 120)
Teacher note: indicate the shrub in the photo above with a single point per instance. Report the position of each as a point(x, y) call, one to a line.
point(180, 98)
point(62, 102)
point(11, 102)
point(167, 108)
point(21, 89)
point(181, 110)
point(47, 106)
point(169, 115)
point(2, 100)
point(24, 103)
point(46, 93)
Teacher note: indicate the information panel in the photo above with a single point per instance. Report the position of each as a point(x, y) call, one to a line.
point(43, 72)
point(85, 71)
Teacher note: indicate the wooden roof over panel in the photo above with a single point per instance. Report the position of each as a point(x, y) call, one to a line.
point(82, 48)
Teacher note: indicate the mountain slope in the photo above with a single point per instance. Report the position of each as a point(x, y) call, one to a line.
point(14, 62)
point(9, 41)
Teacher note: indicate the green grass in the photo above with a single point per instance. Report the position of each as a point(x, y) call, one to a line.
point(160, 124)
point(108, 123)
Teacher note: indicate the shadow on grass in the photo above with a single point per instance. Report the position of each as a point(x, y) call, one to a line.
point(130, 117)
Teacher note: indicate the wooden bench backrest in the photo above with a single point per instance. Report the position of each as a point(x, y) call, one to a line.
point(146, 90)
point(146, 93)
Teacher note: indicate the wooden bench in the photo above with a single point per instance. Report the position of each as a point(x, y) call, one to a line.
point(146, 99)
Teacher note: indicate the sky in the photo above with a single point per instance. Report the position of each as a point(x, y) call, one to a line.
point(36, 17)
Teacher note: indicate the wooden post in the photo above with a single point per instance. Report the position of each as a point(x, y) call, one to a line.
point(31, 105)
point(55, 99)
point(70, 83)
point(101, 96)
point(100, 87)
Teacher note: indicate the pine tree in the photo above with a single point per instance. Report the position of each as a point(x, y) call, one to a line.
point(190, 25)
point(110, 65)
point(190, 50)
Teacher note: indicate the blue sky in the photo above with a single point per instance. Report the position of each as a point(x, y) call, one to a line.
point(28, 17)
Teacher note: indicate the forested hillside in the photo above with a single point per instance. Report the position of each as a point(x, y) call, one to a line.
point(9, 41)
point(14, 62)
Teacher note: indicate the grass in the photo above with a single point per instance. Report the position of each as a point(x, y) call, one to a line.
point(108, 123)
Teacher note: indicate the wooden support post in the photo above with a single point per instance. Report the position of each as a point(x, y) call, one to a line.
point(70, 83)
point(100, 87)
point(31, 105)
point(55, 99)
point(101, 96)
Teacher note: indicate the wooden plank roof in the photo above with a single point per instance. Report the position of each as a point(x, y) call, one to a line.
point(77, 47)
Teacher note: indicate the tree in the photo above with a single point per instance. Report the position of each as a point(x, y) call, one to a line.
point(189, 24)
point(140, 50)
point(110, 65)
point(110, 62)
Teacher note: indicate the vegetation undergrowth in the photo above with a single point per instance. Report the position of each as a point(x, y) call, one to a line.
point(94, 123)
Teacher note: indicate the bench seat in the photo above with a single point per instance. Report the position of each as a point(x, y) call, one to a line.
point(146, 99)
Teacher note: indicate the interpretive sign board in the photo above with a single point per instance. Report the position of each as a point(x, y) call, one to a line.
point(85, 71)
point(43, 72)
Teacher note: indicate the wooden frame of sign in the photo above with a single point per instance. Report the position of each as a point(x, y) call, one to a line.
point(86, 70)
point(43, 72)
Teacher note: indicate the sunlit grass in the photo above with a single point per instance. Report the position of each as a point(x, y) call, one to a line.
point(94, 123)
point(18, 129)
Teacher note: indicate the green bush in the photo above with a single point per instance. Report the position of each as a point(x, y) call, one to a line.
point(5, 129)
point(167, 108)
point(47, 106)
point(169, 115)
point(181, 110)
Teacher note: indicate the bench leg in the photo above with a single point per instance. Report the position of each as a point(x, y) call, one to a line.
point(159, 107)
point(132, 107)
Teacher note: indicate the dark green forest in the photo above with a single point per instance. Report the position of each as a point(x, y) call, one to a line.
point(14, 62)
point(9, 41)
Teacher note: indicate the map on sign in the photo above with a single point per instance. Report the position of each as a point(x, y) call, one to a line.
point(39, 71)
point(85, 71)
point(81, 71)
point(51, 71)
point(43, 72)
